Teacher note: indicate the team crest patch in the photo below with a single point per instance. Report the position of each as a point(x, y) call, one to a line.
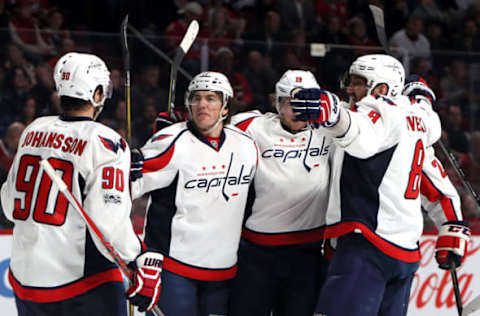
point(112, 198)
point(112, 145)
point(160, 137)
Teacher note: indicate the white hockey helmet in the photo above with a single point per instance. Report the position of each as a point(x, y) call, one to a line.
point(380, 69)
point(291, 80)
point(210, 81)
point(78, 75)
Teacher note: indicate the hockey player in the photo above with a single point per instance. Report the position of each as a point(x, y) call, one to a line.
point(197, 175)
point(374, 205)
point(281, 265)
point(58, 265)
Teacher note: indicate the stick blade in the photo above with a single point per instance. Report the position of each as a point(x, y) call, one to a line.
point(190, 36)
point(377, 15)
point(123, 33)
point(472, 307)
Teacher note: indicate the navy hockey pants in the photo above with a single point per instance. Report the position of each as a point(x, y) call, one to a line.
point(184, 296)
point(106, 299)
point(363, 281)
point(282, 279)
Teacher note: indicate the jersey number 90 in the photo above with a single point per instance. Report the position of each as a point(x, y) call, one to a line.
point(28, 172)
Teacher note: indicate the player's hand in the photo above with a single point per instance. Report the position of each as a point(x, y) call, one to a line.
point(452, 241)
point(147, 283)
point(417, 89)
point(136, 164)
point(305, 103)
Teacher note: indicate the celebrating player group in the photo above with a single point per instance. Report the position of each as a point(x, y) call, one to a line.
point(315, 208)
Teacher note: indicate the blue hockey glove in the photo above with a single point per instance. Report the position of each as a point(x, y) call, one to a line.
point(451, 245)
point(306, 103)
point(136, 164)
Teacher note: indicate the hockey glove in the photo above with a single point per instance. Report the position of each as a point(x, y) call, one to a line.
point(306, 103)
point(145, 290)
point(136, 164)
point(452, 241)
point(329, 109)
point(416, 89)
point(164, 119)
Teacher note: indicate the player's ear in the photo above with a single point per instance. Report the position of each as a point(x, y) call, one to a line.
point(381, 89)
point(98, 95)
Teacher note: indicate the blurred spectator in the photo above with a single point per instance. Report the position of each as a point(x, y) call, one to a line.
point(297, 53)
point(25, 31)
point(428, 10)
point(455, 86)
point(221, 31)
point(358, 36)
point(328, 8)
point(469, 39)
point(54, 32)
point(261, 78)
point(148, 86)
point(8, 148)
point(470, 163)
point(332, 32)
point(242, 92)
point(457, 136)
point(396, 16)
point(67, 45)
point(267, 39)
point(439, 40)
point(144, 124)
point(44, 87)
point(28, 111)
point(15, 57)
point(411, 39)
point(118, 93)
point(54, 107)
point(17, 86)
point(297, 14)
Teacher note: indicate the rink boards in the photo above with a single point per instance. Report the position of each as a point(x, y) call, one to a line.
point(431, 293)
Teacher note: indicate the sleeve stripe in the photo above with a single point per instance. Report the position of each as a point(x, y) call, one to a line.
point(428, 189)
point(158, 162)
point(243, 125)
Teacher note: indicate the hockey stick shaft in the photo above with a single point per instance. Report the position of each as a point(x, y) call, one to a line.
point(456, 289)
point(157, 51)
point(180, 53)
point(62, 187)
point(380, 27)
point(126, 64)
point(472, 306)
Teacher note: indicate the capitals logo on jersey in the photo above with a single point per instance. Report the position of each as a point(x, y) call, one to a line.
point(225, 179)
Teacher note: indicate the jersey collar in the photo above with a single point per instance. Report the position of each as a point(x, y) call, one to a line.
point(66, 118)
point(193, 129)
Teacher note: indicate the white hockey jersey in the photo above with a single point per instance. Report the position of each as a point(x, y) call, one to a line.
point(377, 173)
point(54, 255)
point(197, 198)
point(291, 184)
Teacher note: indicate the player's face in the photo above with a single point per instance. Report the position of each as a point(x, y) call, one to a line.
point(357, 88)
point(288, 117)
point(205, 107)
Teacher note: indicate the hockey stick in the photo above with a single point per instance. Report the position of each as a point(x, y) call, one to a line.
point(472, 306)
point(62, 187)
point(180, 52)
point(126, 66)
point(456, 289)
point(158, 51)
point(380, 27)
point(382, 37)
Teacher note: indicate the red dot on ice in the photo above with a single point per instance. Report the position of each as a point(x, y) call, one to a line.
point(292, 140)
point(303, 139)
point(223, 166)
point(203, 168)
point(213, 167)
point(281, 139)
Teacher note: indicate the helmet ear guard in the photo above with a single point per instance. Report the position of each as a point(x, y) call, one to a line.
point(292, 80)
point(79, 75)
